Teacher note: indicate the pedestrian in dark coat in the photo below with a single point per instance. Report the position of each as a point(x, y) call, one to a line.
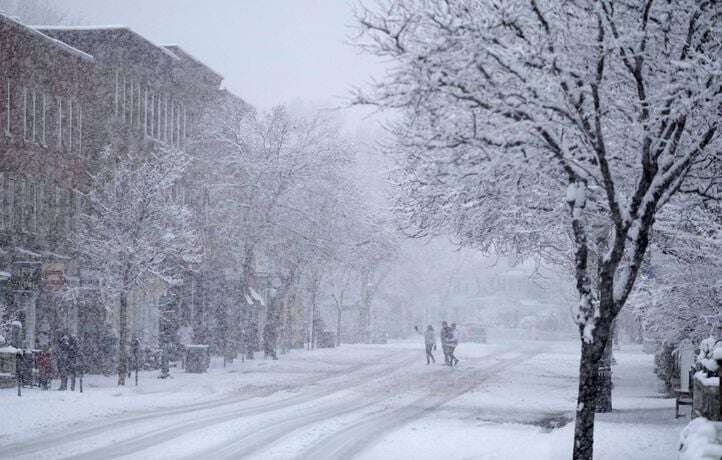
point(445, 342)
point(73, 360)
point(453, 343)
point(63, 360)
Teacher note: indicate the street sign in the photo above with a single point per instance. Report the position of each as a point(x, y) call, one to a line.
point(53, 274)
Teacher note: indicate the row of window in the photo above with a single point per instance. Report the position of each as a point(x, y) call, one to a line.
point(33, 116)
point(37, 207)
point(158, 114)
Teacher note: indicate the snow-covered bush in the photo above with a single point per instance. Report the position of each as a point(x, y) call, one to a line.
point(709, 350)
point(699, 440)
point(665, 365)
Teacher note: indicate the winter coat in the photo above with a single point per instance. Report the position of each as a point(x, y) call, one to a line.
point(445, 336)
point(430, 337)
point(453, 337)
point(45, 369)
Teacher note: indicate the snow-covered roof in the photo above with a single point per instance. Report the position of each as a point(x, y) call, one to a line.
point(178, 51)
point(112, 28)
point(56, 255)
point(4, 276)
point(27, 252)
point(52, 41)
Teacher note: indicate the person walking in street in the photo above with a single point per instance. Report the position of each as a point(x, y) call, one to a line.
point(453, 343)
point(445, 341)
point(429, 342)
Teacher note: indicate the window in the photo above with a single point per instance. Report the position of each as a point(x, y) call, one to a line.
point(59, 212)
point(29, 207)
point(145, 111)
point(2, 200)
point(130, 103)
point(9, 201)
point(8, 108)
point(70, 125)
point(171, 138)
point(158, 112)
point(26, 115)
point(43, 111)
point(116, 93)
point(165, 118)
point(80, 129)
point(151, 123)
point(185, 125)
point(17, 210)
point(40, 206)
point(34, 116)
point(60, 123)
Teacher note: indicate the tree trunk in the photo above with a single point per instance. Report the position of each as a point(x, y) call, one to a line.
point(123, 337)
point(604, 380)
point(586, 403)
point(338, 328)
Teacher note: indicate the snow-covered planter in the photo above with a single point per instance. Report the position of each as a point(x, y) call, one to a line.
point(709, 351)
point(706, 402)
point(699, 440)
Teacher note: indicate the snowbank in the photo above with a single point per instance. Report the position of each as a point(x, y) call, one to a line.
point(699, 440)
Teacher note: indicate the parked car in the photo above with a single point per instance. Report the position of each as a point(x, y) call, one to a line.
point(474, 332)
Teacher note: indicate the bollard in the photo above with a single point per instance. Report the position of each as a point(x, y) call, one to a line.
point(18, 371)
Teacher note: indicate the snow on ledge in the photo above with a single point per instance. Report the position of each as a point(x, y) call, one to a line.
point(698, 440)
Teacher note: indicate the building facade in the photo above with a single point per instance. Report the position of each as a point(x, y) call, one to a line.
point(67, 93)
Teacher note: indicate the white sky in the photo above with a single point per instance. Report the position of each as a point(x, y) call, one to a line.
point(270, 51)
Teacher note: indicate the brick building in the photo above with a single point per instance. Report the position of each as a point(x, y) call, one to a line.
point(66, 93)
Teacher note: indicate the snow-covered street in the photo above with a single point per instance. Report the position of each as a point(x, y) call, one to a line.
point(509, 400)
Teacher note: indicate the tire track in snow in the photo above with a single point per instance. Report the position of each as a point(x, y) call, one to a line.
point(356, 375)
point(347, 441)
point(352, 440)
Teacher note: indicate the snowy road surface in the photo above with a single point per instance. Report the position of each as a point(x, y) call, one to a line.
point(505, 401)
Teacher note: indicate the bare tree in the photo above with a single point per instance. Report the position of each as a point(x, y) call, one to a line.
point(527, 122)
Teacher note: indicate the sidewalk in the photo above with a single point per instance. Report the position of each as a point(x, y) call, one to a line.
point(527, 412)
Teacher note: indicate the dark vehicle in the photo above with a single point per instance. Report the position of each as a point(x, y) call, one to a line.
point(474, 332)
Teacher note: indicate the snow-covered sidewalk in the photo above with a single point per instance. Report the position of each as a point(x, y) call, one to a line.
point(505, 401)
point(527, 412)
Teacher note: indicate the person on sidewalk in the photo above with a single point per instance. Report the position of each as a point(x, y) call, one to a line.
point(63, 360)
point(45, 368)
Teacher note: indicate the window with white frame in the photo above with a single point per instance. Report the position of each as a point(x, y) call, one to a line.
point(26, 115)
point(8, 108)
point(9, 201)
point(70, 124)
point(43, 112)
point(2, 200)
point(60, 122)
